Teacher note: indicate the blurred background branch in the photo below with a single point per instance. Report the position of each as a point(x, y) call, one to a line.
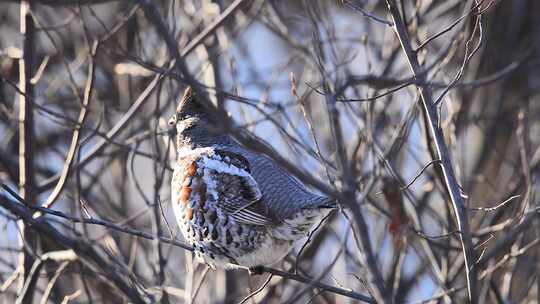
point(421, 118)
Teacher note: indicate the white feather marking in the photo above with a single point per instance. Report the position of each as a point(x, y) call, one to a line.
point(222, 167)
point(187, 151)
point(211, 185)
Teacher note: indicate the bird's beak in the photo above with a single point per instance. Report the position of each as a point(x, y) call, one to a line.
point(166, 128)
point(169, 131)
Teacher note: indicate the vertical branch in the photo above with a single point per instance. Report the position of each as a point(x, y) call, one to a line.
point(367, 255)
point(26, 160)
point(450, 180)
point(159, 175)
point(348, 173)
point(25, 107)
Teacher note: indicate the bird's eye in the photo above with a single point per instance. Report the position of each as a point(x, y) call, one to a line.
point(172, 120)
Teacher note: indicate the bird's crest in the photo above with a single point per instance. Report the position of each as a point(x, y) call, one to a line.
point(185, 100)
point(189, 104)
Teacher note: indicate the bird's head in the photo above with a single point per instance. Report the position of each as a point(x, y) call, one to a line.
point(192, 120)
point(189, 112)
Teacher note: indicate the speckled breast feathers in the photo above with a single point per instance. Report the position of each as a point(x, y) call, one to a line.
point(218, 203)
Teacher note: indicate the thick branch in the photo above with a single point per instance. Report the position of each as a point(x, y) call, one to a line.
point(22, 210)
point(26, 139)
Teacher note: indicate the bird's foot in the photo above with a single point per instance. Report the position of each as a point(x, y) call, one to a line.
point(256, 270)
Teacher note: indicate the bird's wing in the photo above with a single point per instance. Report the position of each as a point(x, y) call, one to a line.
point(231, 187)
point(283, 194)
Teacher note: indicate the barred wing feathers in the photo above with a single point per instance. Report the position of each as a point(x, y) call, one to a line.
point(230, 186)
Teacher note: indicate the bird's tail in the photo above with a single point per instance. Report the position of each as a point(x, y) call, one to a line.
point(299, 225)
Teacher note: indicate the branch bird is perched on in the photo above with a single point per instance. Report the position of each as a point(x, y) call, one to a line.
point(236, 207)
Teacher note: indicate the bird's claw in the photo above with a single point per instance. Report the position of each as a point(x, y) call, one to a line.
point(256, 270)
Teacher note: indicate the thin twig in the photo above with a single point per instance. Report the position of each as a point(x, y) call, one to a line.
point(86, 252)
point(450, 180)
point(336, 290)
point(199, 284)
point(20, 210)
point(447, 29)
point(435, 161)
point(257, 291)
point(358, 8)
point(495, 207)
point(51, 199)
point(120, 125)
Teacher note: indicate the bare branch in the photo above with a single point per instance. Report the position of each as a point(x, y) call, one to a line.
point(451, 182)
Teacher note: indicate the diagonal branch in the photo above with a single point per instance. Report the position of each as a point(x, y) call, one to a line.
point(76, 132)
point(336, 290)
point(29, 284)
point(450, 180)
point(119, 126)
point(84, 250)
point(154, 17)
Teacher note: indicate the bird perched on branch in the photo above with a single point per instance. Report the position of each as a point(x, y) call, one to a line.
point(236, 207)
